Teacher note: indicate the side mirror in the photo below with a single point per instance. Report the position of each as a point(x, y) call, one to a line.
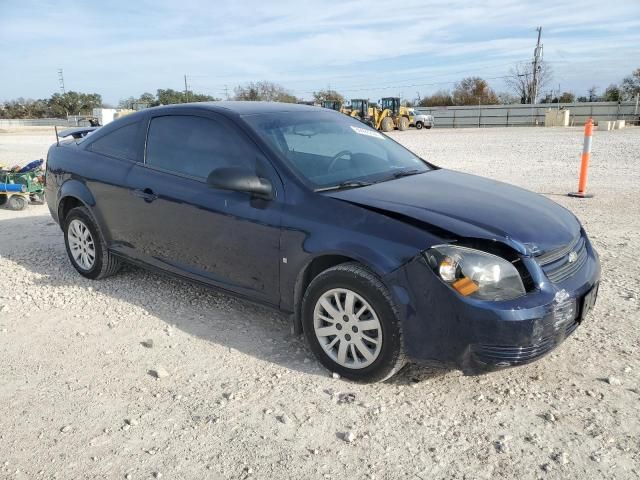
point(240, 180)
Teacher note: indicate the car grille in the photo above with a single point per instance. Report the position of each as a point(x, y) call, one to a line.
point(507, 355)
point(557, 265)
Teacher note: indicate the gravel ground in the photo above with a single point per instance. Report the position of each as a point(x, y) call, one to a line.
point(141, 376)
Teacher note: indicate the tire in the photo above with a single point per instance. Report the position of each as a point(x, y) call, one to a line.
point(387, 124)
point(419, 125)
point(37, 198)
point(403, 124)
point(428, 127)
point(381, 338)
point(104, 262)
point(17, 202)
point(3, 198)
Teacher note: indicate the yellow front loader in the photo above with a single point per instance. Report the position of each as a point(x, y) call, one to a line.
point(393, 115)
point(386, 117)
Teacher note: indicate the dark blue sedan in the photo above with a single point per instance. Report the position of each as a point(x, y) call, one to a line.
point(378, 255)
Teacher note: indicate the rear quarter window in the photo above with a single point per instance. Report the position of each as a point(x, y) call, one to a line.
point(121, 143)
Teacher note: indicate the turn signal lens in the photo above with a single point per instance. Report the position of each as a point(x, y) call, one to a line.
point(475, 273)
point(465, 286)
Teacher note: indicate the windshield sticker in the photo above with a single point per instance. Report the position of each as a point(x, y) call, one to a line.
point(367, 132)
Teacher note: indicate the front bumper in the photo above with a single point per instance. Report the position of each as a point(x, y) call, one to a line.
point(478, 336)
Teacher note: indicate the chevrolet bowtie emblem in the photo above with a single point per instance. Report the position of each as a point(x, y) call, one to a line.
point(573, 256)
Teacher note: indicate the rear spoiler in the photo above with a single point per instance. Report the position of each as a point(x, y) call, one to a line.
point(77, 132)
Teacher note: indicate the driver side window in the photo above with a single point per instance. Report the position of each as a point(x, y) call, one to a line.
point(194, 146)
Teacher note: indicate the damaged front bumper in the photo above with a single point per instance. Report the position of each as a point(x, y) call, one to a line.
point(477, 336)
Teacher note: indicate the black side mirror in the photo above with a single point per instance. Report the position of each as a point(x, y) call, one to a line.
point(240, 180)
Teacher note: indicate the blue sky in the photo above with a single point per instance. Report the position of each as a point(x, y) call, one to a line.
point(361, 48)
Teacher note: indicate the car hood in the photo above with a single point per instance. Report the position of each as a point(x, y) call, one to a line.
point(469, 206)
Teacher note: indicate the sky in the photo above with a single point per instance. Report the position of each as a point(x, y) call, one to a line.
point(363, 49)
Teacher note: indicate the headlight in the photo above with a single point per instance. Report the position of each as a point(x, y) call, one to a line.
point(474, 273)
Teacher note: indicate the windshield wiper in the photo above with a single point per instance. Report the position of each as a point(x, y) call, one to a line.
point(402, 173)
point(347, 184)
point(406, 173)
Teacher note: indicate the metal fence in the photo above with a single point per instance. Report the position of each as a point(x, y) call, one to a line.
point(71, 121)
point(528, 115)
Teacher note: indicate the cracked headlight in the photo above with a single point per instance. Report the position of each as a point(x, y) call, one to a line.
point(474, 273)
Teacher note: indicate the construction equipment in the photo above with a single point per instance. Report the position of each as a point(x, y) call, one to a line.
point(19, 186)
point(361, 110)
point(332, 105)
point(393, 115)
point(386, 117)
point(337, 106)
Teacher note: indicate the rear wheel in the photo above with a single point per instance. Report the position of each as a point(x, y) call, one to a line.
point(403, 123)
point(428, 127)
point(86, 247)
point(351, 324)
point(419, 125)
point(387, 124)
point(18, 202)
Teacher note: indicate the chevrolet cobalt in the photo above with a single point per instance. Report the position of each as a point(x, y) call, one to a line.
point(379, 256)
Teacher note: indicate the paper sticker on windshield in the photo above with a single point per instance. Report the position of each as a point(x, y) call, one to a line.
point(367, 132)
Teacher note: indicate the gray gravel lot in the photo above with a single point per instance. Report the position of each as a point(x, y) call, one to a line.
point(238, 397)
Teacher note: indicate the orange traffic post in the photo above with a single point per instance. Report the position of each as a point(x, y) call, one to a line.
point(584, 166)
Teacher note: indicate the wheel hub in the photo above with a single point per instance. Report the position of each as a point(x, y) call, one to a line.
point(347, 328)
point(81, 244)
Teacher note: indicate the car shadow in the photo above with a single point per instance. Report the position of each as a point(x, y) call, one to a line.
point(264, 333)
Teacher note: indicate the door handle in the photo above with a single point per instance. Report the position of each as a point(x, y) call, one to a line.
point(147, 194)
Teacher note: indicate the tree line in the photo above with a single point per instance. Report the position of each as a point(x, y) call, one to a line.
point(468, 91)
point(476, 91)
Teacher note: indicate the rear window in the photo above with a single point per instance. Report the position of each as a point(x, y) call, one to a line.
point(121, 143)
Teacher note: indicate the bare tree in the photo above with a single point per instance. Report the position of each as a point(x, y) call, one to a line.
point(264, 91)
point(474, 91)
point(631, 84)
point(327, 95)
point(506, 98)
point(520, 80)
point(441, 98)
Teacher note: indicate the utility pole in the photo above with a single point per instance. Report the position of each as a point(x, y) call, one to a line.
point(186, 89)
point(537, 58)
point(226, 92)
point(61, 80)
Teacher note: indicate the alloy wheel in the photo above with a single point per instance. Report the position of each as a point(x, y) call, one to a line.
point(81, 244)
point(347, 328)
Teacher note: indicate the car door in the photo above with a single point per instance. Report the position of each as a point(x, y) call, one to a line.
point(110, 159)
point(184, 225)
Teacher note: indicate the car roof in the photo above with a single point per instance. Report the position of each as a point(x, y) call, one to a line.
point(246, 108)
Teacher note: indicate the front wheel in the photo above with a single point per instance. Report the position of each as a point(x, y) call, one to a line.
point(419, 125)
point(351, 324)
point(387, 124)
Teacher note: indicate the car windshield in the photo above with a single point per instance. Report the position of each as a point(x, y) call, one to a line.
point(333, 150)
